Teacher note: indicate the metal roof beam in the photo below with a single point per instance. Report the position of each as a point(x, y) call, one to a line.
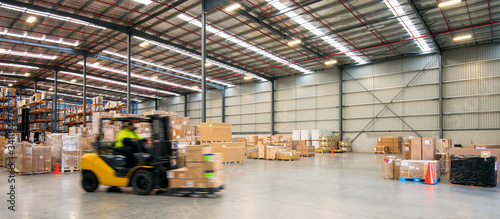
point(158, 13)
point(209, 4)
point(98, 56)
point(427, 30)
point(124, 29)
point(57, 68)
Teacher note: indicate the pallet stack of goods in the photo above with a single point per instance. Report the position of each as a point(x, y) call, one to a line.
point(66, 150)
point(475, 165)
point(418, 155)
point(219, 136)
point(390, 145)
point(328, 143)
point(203, 170)
point(344, 147)
point(32, 158)
point(252, 146)
point(304, 149)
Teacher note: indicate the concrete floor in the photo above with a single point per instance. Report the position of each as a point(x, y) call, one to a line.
point(347, 186)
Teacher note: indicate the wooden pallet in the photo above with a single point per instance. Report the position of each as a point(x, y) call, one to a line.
point(309, 155)
point(69, 169)
point(379, 152)
point(453, 184)
point(30, 173)
point(287, 159)
point(340, 151)
point(234, 162)
point(195, 192)
point(323, 152)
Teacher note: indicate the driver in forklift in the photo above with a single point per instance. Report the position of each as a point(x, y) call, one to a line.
point(128, 142)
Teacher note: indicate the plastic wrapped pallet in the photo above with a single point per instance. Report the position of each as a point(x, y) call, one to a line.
point(315, 133)
point(55, 142)
point(23, 154)
point(71, 152)
point(296, 135)
point(305, 135)
point(473, 170)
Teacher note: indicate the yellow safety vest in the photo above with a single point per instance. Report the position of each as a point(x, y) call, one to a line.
point(125, 133)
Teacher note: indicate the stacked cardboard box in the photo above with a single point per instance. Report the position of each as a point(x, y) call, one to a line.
point(215, 131)
point(380, 149)
point(345, 146)
point(288, 155)
point(303, 148)
point(204, 169)
point(96, 118)
point(71, 152)
point(230, 151)
point(418, 168)
point(393, 143)
point(252, 140)
point(422, 149)
point(30, 158)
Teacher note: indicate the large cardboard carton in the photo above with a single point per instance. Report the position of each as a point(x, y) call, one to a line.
point(196, 153)
point(416, 149)
point(407, 151)
point(477, 152)
point(34, 159)
point(262, 151)
point(87, 143)
point(397, 168)
point(418, 168)
point(215, 131)
point(177, 173)
point(428, 148)
point(47, 163)
point(288, 155)
point(389, 167)
point(231, 151)
point(487, 146)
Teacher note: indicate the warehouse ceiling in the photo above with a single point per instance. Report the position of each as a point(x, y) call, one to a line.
point(246, 40)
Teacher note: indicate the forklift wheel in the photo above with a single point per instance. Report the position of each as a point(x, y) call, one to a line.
point(89, 182)
point(142, 181)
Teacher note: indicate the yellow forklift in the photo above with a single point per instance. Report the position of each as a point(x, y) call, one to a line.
point(107, 167)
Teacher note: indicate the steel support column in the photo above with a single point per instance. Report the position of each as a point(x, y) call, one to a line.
point(440, 91)
point(341, 109)
point(156, 104)
point(185, 105)
point(55, 101)
point(272, 107)
point(36, 87)
point(85, 90)
point(223, 105)
point(129, 48)
point(203, 61)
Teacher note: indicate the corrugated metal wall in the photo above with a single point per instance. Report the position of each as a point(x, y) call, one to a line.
point(214, 106)
point(248, 108)
point(471, 88)
point(307, 102)
point(409, 91)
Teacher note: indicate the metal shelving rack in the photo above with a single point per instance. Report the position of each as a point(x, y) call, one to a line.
point(7, 111)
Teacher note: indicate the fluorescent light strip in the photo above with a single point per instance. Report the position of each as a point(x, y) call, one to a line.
point(103, 88)
point(239, 42)
point(72, 20)
point(405, 21)
point(139, 76)
point(91, 93)
point(462, 37)
point(17, 66)
point(45, 14)
point(42, 38)
point(166, 68)
point(117, 83)
point(444, 4)
point(300, 20)
point(27, 54)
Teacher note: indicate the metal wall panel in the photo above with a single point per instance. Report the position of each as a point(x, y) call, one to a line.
point(385, 82)
point(472, 88)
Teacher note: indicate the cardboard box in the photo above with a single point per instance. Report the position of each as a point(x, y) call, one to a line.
point(428, 148)
point(407, 151)
point(288, 155)
point(176, 134)
point(262, 151)
point(195, 173)
point(213, 162)
point(487, 146)
point(47, 164)
point(252, 139)
point(177, 173)
point(389, 167)
point(177, 183)
point(477, 152)
point(196, 153)
point(231, 151)
point(215, 131)
point(380, 148)
point(87, 143)
point(416, 149)
point(418, 168)
point(397, 168)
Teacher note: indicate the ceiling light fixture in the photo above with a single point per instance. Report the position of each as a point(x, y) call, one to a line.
point(462, 37)
point(10, 85)
point(26, 74)
point(232, 7)
point(247, 78)
point(294, 42)
point(146, 2)
point(31, 19)
point(331, 62)
point(96, 63)
point(73, 80)
point(195, 87)
point(143, 44)
point(452, 2)
point(2, 50)
point(79, 94)
point(154, 77)
point(51, 89)
point(207, 64)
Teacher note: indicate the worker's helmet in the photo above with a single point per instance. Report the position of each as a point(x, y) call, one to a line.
point(130, 122)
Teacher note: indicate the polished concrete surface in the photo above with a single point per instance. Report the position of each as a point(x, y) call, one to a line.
point(345, 186)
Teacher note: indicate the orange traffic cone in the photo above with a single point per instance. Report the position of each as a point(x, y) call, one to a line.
point(429, 178)
point(57, 169)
